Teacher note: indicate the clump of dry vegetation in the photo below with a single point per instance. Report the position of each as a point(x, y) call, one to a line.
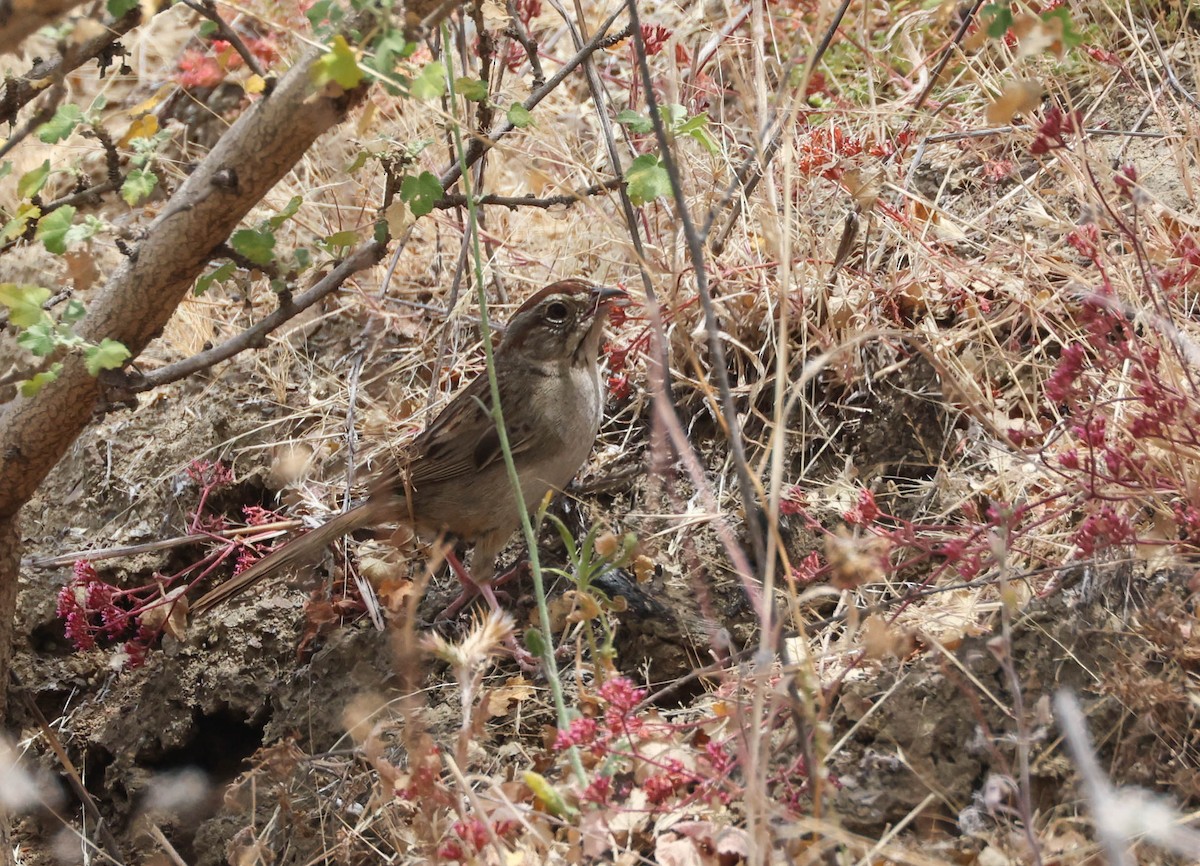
point(900, 440)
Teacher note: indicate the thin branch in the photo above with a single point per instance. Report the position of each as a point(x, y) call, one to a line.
point(716, 348)
point(363, 257)
point(517, 201)
point(262, 532)
point(208, 9)
point(518, 32)
point(19, 92)
point(478, 145)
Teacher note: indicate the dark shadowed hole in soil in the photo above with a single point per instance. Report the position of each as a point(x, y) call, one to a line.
point(220, 744)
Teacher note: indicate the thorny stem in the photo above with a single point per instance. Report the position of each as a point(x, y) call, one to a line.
point(510, 466)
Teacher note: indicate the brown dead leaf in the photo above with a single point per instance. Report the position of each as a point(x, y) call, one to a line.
point(516, 690)
point(81, 269)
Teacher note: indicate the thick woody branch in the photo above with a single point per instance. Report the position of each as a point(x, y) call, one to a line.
point(19, 18)
point(363, 257)
point(139, 298)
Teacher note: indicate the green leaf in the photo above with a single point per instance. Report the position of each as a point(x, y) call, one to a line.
point(120, 8)
point(82, 231)
point(220, 275)
point(636, 122)
point(342, 239)
point(40, 338)
point(53, 227)
point(998, 17)
point(646, 179)
point(62, 124)
point(474, 89)
point(535, 642)
point(1071, 38)
point(30, 387)
point(208, 29)
point(139, 183)
point(31, 182)
point(302, 257)
point(519, 116)
point(109, 355)
point(548, 795)
point(24, 303)
point(431, 83)
point(388, 50)
point(16, 226)
point(359, 161)
point(697, 128)
point(338, 65)
point(74, 311)
point(5, 168)
point(672, 114)
point(289, 211)
point(257, 246)
point(421, 192)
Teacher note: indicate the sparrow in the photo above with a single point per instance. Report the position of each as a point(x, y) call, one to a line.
point(451, 482)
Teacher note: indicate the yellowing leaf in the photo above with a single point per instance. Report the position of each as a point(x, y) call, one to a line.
point(338, 66)
point(254, 84)
point(151, 103)
point(144, 127)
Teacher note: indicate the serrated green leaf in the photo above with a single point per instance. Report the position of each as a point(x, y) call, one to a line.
point(474, 89)
point(53, 227)
point(258, 246)
point(636, 122)
point(120, 8)
point(16, 226)
point(109, 355)
point(204, 283)
point(62, 124)
point(139, 183)
point(421, 192)
point(519, 116)
point(73, 311)
point(430, 83)
point(30, 387)
point(32, 181)
point(646, 179)
point(39, 338)
point(24, 303)
point(289, 211)
point(338, 65)
point(342, 239)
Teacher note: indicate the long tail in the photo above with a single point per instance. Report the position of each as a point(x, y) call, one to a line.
point(302, 549)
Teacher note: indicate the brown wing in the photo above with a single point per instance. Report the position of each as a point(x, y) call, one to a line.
point(462, 440)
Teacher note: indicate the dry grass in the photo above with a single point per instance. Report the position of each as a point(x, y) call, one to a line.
point(896, 383)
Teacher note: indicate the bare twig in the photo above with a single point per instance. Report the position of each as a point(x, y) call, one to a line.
point(265, 531)
point(111, 850)
point(517, 31)
point(19, 92)
point(362, 257)
point(208, 9)
point(716, 348)
point(518, 201)
point(478, 145)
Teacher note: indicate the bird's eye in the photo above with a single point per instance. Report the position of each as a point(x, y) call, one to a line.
point(557, 312)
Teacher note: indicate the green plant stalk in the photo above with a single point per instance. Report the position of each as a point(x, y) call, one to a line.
point(539, 589)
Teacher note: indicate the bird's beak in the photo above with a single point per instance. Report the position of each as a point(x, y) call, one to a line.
point(607, 296)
